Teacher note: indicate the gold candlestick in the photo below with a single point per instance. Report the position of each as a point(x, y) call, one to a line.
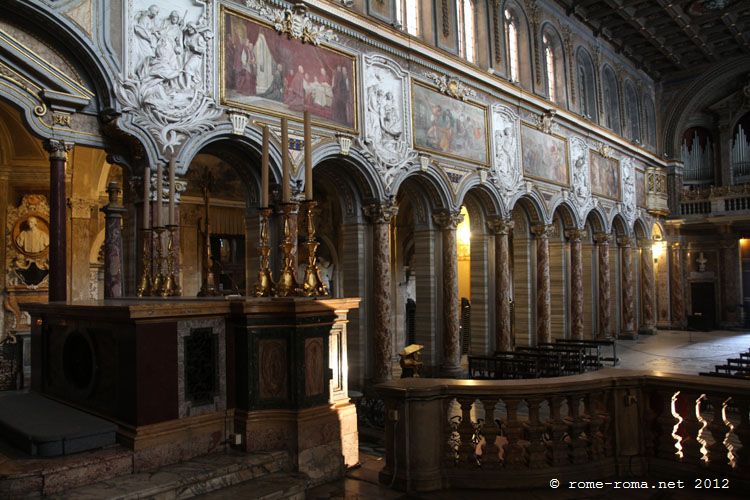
point(313, 286)
point(158, 279)
point(264, 287)
point(287, 285)
point(145, 285)
point(171, 288)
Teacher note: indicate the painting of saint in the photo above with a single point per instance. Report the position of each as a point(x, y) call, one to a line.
point(605, 175)
point(640, 188)
point(544, 156)
point(449, 126)
point(265, 69)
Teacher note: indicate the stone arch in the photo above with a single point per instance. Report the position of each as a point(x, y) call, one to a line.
point(525, 47)
point(435, 192)
point(586, 82)
point(364, 174)
point(597, 219)
point(620, 226)
point(641, 229)
point(533, 205)
point(568, 214)
point(560, 61)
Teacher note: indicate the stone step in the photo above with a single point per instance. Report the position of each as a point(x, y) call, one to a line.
point(191, 478)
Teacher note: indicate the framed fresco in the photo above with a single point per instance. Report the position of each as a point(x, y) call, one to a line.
point(449, 126)
point(605, 175)
point(640, 188)
point(266, 71)
point(543, 156)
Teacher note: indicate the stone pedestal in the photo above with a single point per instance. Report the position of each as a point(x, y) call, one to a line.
point(501, 228)
point(451, 366)
point(602, 245)
point(543, 289)
point(576, 283)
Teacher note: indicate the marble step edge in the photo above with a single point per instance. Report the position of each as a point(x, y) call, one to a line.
point(277, 486)
point(193, 477)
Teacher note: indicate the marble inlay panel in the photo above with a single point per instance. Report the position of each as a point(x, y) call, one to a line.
point(186, 407)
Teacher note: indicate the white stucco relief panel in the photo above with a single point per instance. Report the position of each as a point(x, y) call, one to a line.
point(628, 189)
point(506, 153)
point(578, 159)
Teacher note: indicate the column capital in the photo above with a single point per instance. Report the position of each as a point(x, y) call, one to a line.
point(446, 219)
point(58, 150)
point(603, 238)
point(380, 213)
point(499, 225)
point(645, 243)
point(542, 230)
point(575, 234)
point(625, 241)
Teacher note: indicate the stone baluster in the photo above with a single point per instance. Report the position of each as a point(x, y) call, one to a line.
point(58, 263)
point(557, 429)
point(677, 292)
point(689, 427)
point(113, 269)
point(717, 451)
point(648, 308)
point(543, 286)
point(742, 431)
point(596, 437)
point(451, 367)
point(602, 245)
point(501, 229)
point(578, 453)
point(576, 283)
point(665, 422)
point(380, 216)
point(466, 450)
point(537, 449)
point(628, 292)
point(514, 453)
point(490, 454)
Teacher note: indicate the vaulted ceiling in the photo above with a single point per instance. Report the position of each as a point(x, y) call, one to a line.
point(665, 37)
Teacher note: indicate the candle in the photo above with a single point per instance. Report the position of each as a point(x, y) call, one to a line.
point(147, 197)
point(286, 190)
point(308, 158)
point(171, 192)
point(159, 193)
point(264, 170)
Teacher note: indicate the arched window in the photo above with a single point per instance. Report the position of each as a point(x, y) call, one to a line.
point(649, 115)
point(586, 84)
point(741, 149)
point(412, 17)
point(631, 113)
point(554, 65)
point(512, 32)
point(611, 100)
point(465, 11)
point(698, 156)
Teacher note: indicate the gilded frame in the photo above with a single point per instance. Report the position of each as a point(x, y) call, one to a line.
point(487, 160)
point(316, 120)
point(566, 164)
point(618, 175)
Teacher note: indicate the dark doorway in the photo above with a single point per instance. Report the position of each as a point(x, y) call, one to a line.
point(704, 305)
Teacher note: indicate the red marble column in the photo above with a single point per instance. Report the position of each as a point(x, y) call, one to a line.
point(451, 367)
point(677, 291)
point(380, 216)
point(576, 283)
point(602, 241)
point(58, 276)
point(543, 286)
point(648, 310)
point(501, 229)
point(628, 289)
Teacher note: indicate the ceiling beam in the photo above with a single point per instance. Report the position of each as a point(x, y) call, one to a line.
point(692, 31)
point(730, 21)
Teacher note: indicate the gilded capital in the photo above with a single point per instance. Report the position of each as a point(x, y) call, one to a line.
point(447, 220)
point(58, 150)
point(575, 234)
point(542, 230)
point(499, 225)
point(381, 213)
point(603, 238)
point(625, 241)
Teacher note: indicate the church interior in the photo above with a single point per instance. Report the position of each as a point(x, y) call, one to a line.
point(244, 237)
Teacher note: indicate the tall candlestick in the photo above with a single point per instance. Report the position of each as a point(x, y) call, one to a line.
point(286, 189)
point(159, 193)
point(147, 197)
point(171, 191)
point(264, 170)
point(308, 158)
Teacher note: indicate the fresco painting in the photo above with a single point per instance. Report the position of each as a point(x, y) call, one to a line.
point(449, 126)
point(544, 156)
point(264, 69)
point(640, 188)
point(605, 175)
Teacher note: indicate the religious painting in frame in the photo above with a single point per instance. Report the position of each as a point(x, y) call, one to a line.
point(266, 71)
point(605, 175)
point(640, 188)
point(449, 126)
point(544, 157)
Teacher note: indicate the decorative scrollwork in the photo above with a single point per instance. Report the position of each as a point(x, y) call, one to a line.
point(452, 86)
point(293, 22)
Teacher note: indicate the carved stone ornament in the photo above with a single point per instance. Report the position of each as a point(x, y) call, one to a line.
point(628, 188)
point(506, 154)
point(27, 245)
point(546, 122)
point(579, 166)
point(168, 78)
point(451, 86)
point(387, 132)
point(604, 150)
point(293, 22)
point(239, 122)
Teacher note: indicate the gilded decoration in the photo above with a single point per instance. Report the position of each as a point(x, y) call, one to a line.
point(27, 249)
point(451, 86)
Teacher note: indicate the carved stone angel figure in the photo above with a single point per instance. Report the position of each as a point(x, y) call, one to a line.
point(579, 157)
point(505, 160)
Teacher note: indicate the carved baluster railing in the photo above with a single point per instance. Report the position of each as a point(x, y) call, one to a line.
point(466, 450)
point(490, 430)
point(537, 449)
point(665, 422)
point(578, 454)
point(596, 436)
point(450, 432)
point(557, 427)
point(717, 428)
point(514, 453)
point(742, 432)
point(689, 427)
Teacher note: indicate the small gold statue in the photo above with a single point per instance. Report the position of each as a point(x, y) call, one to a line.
point(410, 361)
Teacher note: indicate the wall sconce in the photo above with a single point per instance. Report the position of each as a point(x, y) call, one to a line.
point(424, 162)
point(345, 143)
point(658, 249)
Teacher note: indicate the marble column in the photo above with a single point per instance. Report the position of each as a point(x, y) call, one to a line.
point(58, 275)
point(543, 286)
point(628, 289)
point(501, 228)
point(677, 291)
point(451, 367)
point(380, 216)
point(648, 311)
point(576, 282)
point(602, 245)
point(113, 268)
